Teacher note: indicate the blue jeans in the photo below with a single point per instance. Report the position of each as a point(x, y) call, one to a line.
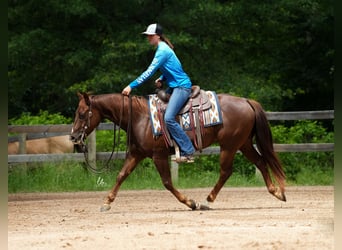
point(177, 100)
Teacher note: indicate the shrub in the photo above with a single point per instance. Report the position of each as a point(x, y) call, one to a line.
point(42, 118)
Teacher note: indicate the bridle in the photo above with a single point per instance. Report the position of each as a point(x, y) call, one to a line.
point(85, 127)
point(115, 144)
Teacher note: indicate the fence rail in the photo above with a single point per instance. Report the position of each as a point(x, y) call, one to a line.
point(79, 157)
point(301, 115)
point(48, 130)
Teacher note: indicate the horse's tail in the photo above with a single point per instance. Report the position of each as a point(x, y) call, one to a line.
point(264, 142)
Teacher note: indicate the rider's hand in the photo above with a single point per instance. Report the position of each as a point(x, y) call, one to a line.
point(127, 90)
point(158, 83)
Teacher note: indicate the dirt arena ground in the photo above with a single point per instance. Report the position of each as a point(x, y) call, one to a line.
point(240, 218)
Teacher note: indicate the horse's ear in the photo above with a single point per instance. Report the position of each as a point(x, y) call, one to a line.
point(86, 98)
point(80, 96)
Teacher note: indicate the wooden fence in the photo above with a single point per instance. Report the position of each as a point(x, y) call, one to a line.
point(29, 132)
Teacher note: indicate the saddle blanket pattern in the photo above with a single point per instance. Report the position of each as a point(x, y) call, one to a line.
point(210, 117)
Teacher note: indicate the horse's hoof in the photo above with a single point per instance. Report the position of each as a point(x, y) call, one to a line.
point(193, 205)
point(199, 206)
point(283, 197)
point(280, 195)
point(105, 207)
point(204, 206)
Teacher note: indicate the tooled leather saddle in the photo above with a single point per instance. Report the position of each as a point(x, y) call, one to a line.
point(198, 99)
point(196, 104)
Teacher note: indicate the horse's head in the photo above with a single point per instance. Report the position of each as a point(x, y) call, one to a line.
point(85, 121)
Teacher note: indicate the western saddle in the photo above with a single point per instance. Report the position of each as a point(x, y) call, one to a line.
point(197, 103)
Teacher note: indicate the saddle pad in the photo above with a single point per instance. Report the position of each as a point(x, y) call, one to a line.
point(210, 116)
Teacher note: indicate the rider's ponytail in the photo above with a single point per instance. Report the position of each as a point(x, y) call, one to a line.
point(164, 39)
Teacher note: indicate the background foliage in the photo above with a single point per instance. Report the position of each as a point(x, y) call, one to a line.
point(278, 52)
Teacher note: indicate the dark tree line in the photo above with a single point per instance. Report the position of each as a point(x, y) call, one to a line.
point(278, 52)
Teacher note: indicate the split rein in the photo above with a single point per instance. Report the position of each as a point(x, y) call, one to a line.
point(116, 139)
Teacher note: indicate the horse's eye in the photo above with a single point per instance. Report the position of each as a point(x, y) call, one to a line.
point(81, 116)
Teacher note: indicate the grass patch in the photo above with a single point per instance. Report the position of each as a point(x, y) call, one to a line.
point(73, 176)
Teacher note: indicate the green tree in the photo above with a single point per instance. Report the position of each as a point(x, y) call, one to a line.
point(278, 52)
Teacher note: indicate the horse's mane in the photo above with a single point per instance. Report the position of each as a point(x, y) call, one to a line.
point(141, 102)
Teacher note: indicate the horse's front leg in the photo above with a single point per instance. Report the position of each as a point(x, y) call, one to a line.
point(163, 167)
point(130, 163)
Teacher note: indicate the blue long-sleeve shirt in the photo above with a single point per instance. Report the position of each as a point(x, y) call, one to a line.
point(167, 62)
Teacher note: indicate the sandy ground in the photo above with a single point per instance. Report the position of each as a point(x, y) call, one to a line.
point(240, 218)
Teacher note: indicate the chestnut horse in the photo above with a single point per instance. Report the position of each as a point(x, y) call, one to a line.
point(243, 120)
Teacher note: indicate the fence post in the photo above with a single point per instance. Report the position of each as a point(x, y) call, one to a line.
point(22, 143)
point(92, 148)
point(174, 172)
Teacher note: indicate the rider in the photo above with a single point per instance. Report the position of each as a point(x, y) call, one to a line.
point(179, 84)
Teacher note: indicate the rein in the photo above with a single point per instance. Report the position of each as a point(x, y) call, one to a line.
point(116, 140)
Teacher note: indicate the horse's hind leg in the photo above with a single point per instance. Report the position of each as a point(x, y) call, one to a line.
point(163, 168)
point(252, 155)
point(226, 163)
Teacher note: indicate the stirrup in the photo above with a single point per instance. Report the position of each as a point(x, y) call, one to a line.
point(184, 159)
